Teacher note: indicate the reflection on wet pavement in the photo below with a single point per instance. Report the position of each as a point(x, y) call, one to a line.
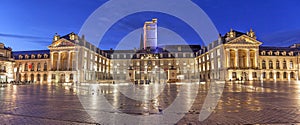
point(241, 103)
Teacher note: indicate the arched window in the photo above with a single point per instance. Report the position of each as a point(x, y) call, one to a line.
point(39, 66)
point(291, 65)
point(71, 76)
point(270, 65)
point(45, 77)
point(284, 64)
point(271, 75)
point(38, 77)
point(292, 75)
point(263, 64)
point(32, 77)
point(277, 74)
point(284, 75)
point(264, 75)
point(26, 67)
point(45, 67)
point(31, 67)
point(277, 65)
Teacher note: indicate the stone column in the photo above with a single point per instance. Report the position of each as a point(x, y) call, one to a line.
point(228, 57)
point(247, 58)
point(58, 61)
point(256, 57)
point(51, 55)
point(289, 75)
point(236, 58)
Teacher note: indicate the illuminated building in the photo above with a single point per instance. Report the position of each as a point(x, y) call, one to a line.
point(6, 64)
point(71, 59)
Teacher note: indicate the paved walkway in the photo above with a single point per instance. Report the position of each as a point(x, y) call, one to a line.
point(247, 103)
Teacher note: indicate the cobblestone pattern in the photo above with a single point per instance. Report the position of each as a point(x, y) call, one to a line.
point(241, 103)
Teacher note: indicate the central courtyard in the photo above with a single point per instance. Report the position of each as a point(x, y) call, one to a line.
point(240, 103)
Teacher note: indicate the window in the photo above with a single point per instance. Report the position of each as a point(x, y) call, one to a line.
point(45, 67)
point(264, 75)
point(284, 75)
point(270, 65)
point(85, 53)
point(38, 77)
point(278, 75)
point(179, 48)
point(26, 67)
point(71, 76)
point(45, 77)
point(263, 64)
point(254, 75)
point(291, 64)
point(292, 75)
point(39, 67)
point(284, 64)
point(53, 76)
point(277, 65)
point(32, 77)
point(233, 74)
point(31, 66)
point(271, 75)
point(218, 52)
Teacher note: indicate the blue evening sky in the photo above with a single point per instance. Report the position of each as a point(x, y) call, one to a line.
point(31, 24)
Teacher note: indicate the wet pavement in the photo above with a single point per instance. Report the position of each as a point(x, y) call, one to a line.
point(240, 103)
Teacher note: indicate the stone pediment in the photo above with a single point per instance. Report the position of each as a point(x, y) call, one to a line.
point(244, 40)
point(62, 43)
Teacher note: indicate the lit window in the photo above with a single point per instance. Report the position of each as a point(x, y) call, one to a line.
point(218, 52)
point(85, 53)
point(291, 64)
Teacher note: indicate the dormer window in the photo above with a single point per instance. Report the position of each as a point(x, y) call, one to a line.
point(26, 56)
point(72, 36)
point(291, 53)
point(45, 56)
point(270, 53)
point(263, 53)
point(20, 57)
point(32, 56)
point(39, 56)
point(283, 53)
point(277, 53)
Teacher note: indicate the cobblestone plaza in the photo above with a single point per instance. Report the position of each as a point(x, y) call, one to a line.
point(241, 103)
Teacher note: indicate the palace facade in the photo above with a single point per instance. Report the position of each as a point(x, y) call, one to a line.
point(72, 59)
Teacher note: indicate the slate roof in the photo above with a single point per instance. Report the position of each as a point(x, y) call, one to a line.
point(29, 53)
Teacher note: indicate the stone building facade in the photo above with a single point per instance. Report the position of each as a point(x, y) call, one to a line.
point(234, 56)
point(6, 64)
